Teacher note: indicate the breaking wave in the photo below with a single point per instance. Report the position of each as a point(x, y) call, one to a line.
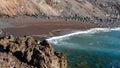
point(90, 31)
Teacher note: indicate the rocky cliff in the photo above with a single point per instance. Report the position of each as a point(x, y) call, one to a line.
point(103, 12)
point(85, 8)
point(26, 52)
point(72, 9)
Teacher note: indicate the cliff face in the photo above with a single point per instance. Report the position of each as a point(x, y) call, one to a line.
point(29, 53)
point(50, 8)
point(81, 9)
point(30, 7)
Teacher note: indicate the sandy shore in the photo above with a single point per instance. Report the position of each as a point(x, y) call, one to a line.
point(35, 26)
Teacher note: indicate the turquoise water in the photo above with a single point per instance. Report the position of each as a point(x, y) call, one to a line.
point(94, 48)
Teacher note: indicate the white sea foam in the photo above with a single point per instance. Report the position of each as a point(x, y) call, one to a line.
point(116, 29)
point(90, 31)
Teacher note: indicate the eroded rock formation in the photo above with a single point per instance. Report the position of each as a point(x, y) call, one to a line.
point(27, 52)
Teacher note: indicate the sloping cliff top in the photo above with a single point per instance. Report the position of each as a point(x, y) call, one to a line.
point(84, 8)
point(26, 52)
point(50, 8)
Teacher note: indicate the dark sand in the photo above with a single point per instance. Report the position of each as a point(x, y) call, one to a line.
point(35, 26)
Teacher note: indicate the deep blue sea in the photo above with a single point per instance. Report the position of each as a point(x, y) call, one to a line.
point(93, 48)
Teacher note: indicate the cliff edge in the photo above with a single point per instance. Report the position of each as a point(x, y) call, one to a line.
point(26, 52)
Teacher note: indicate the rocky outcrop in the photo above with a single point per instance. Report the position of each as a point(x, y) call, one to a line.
point(10, 61)
point(30, 53)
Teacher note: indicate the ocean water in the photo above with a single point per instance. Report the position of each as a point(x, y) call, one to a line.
point(93, 48)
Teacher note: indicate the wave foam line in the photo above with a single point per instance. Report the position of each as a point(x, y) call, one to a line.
point(90, 31)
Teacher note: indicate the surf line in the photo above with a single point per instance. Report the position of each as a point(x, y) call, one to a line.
point(89, 31)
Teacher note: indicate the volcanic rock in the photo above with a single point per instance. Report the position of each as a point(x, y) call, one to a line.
point(27, 53)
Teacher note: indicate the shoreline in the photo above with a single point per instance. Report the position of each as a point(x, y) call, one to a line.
point(31, 26)
point(65, 32)
point(87, 31)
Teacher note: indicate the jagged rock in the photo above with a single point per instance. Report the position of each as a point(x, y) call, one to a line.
point(27, 50)
point(7, 60)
